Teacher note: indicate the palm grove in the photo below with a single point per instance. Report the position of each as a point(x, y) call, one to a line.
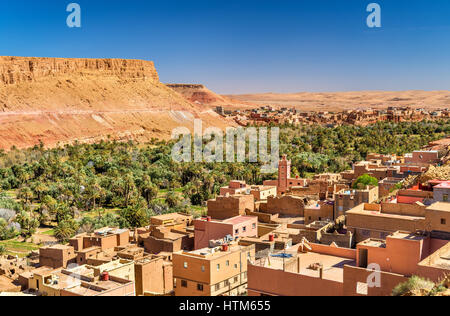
point(82, 187)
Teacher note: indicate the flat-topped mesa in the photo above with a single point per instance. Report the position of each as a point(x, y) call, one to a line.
point(185, 86)
point(14, 70)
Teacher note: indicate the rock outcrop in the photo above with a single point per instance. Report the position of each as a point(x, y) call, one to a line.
point(15, 70)
point(199, 94)
point(62, 100)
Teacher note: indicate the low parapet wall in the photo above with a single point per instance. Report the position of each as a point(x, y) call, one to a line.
point(334, 251)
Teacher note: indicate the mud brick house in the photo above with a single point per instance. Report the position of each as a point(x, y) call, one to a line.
point(319, 211)
point(77, 281)
point(229, 206)
point(386, 185)
point(57, 256)
point(427, 157)
point(153, 276)
point(313, 270)
point(288, 205)
point(347, 199)
point(218, 271)
point(166, 239)
point(173, 219)
point(441, 192)
point(260, 192)
point(105, 238)
point(235, 227)
point(414, 195)
point(380, 220)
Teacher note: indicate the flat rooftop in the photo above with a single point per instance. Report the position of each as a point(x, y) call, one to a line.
point(171, 216)
point(375, 243)
point(443, 261)
point(93, 288)
point(407, 236)
point(385, 215)
point(333, 266)
point(57, 246)
point(212, 253)
point(439, 206)
point(239, 219)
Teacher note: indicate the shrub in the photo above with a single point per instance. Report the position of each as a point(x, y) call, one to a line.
point(364, 181)
point(415, 283)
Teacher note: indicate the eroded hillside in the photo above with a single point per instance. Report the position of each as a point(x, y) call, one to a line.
point(63, 100)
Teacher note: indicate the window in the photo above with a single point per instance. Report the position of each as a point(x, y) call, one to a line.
point(183, 283)
point(445, 198)
point(362, 288)
point(235, 266)
point(200, 287)
point(244, 229)
point(185, 265)
point(235, 279)
point(218, 267)
point(443, 221)
point(253, 225)
point(227, 283)
point(236, 231)
point(203, 268)
point(228, 263)
point(217, 287)
point(174, 283)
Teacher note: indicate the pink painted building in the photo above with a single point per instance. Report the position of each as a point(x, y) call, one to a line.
point(236, 227)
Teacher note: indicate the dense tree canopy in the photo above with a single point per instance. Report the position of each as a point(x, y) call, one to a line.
point(76, 186)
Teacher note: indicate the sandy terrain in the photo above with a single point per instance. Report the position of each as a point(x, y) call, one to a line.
point(338, 101)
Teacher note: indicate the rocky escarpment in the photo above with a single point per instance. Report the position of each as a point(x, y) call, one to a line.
point(59, 83)
point(15, 70)
point(61, 100)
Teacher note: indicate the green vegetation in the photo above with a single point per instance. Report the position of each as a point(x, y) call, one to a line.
point(2, 250)
point(365, 180)
point(19, 248)
point(82, 187)
point(316, 149)
point(415, 285)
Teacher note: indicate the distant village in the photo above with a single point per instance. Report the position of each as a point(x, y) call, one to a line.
point(288, 236)
point(269, 115)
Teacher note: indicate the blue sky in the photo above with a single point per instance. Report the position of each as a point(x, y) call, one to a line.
point(240, 46)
